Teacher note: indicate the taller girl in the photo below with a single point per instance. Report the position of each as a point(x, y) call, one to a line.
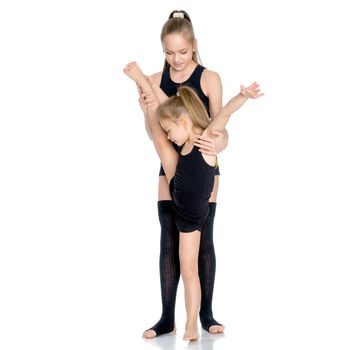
point(181, 67)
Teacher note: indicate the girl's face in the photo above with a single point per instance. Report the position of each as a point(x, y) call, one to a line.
point(177, 131)
point(178, 51)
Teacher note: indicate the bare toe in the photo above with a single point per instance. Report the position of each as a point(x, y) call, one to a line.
point(191, 335)
point(150, 333)
point(216, 329)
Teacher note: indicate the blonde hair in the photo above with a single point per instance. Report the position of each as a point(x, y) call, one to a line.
point(188, 102)
point(180, 25)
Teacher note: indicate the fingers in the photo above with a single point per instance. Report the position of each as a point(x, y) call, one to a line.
point(207, 152)
point(206, 145)
point(147, 99)
point(150, 80)
point(146, 94)
point(205, 141)
point(252, 91)
point(217, 133)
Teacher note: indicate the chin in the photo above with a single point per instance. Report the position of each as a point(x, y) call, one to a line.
point(178, 67)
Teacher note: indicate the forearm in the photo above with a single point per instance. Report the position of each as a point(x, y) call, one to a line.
point(222, 118)
point(234, 104)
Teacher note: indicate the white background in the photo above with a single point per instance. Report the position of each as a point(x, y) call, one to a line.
point(79, 232)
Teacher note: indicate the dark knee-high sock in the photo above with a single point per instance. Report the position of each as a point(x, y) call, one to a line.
point(207, 268)
point(169, 267)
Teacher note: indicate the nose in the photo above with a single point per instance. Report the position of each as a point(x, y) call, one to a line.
point(168, 137)
point(176, 57)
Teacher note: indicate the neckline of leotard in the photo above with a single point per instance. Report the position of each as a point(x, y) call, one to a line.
point(187, 154)
point(183, 82)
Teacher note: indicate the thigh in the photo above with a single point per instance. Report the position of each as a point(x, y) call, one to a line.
point(214, 194)
point(163, 189)
point(189, 248)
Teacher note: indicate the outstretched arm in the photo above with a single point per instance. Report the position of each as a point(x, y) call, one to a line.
point(219, 122)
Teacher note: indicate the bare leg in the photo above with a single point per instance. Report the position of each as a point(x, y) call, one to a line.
point(188, 252)
point(166, 152)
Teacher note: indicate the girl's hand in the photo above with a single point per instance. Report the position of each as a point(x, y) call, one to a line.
point(252, 91)
point(146, 100)
point(142, 103)
point(210, 144)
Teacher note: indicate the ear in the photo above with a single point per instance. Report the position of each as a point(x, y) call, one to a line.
point(195, 46)
point(183, 120)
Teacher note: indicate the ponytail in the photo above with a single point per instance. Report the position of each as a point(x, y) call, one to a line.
point(195, 107)
point(187, 101)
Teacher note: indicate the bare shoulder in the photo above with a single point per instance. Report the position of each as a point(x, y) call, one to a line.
point(156, 77)
point(210, 74)
point(210, 80)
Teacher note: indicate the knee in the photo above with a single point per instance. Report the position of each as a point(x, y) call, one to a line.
point(188, 271)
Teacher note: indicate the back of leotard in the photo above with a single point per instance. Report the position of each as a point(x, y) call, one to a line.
point(192, 185)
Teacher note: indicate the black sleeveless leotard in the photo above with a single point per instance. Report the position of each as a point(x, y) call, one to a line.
point(170, 88)
point(190, 190)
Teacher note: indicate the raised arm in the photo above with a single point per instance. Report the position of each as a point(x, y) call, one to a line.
point(219, 122)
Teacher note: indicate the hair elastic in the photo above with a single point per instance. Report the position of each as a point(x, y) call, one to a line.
point(178, 15)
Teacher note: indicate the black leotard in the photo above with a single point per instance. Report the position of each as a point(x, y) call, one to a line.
point(190, 190)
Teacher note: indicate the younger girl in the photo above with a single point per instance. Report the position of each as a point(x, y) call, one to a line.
point(190, 174)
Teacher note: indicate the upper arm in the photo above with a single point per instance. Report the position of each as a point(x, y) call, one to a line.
point(212, 87)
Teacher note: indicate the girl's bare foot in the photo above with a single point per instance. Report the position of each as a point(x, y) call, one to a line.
point(191, 334)
point(216, 329)
point(151, 333)
point(133, 71)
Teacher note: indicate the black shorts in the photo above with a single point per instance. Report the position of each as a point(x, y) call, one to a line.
point(185, 225)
